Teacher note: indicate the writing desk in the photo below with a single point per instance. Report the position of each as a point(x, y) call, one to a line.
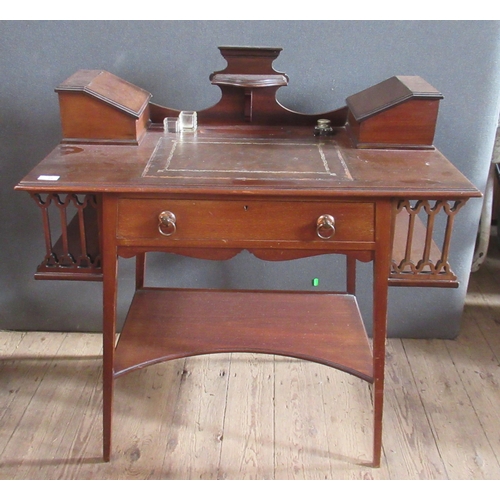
point(261, 180)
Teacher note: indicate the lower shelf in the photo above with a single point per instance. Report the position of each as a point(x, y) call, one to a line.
point(164, 324)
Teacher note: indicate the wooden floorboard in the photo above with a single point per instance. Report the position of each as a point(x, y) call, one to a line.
point(244, 416)
point(248, 434)
point(410, 447)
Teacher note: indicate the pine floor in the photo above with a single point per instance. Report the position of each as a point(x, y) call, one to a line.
point(257, 417)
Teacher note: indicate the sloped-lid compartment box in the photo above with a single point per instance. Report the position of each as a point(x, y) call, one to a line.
point(400, 112)
point(99, 107)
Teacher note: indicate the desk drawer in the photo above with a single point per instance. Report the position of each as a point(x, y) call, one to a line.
point(245, 221)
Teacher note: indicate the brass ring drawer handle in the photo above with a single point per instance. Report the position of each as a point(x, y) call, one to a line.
point(166, 223)
point(325, 227)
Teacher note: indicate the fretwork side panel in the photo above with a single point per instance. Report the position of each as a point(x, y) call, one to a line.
point(71, 220)
point(422, 235)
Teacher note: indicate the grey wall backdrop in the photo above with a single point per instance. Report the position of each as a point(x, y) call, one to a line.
point(326, 62)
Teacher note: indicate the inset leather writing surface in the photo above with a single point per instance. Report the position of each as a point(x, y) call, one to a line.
point(228, 157)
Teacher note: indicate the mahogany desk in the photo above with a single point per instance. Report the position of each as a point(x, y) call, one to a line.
point(267, 185)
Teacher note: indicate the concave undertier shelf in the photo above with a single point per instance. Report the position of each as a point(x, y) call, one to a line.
point(164, 324)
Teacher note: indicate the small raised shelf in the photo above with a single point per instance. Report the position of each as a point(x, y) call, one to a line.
point(164, 324)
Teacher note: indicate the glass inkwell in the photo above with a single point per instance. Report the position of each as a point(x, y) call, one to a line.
point(323, 127)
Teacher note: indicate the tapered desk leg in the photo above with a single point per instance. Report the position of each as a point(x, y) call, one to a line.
point(380, 292)
point(110, 264)
point(140, 269)
point(351, 274)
